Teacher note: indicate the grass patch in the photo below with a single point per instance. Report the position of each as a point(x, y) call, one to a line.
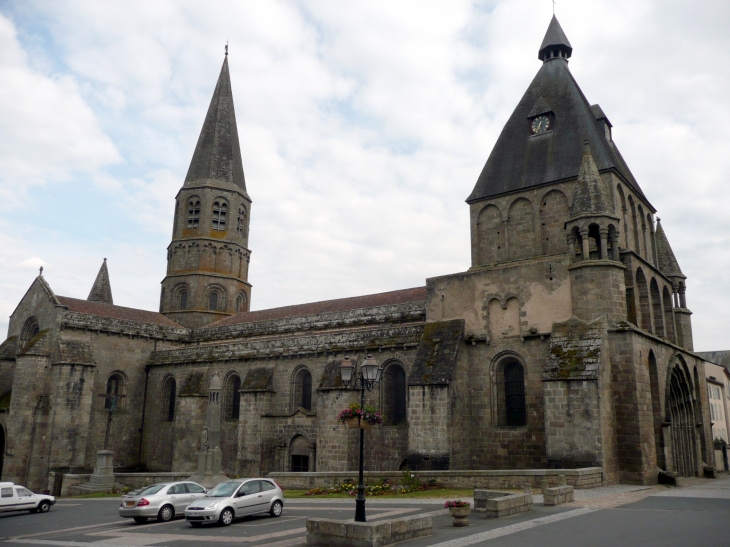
point(94, 495)
point(441, 493)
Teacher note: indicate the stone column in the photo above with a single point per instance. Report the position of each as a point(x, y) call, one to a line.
point(571, 246)
point(682, 298)
point(586, 244)
point(603, 232)
point(614, 246)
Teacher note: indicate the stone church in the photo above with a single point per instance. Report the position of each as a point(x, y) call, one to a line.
point(566, 344)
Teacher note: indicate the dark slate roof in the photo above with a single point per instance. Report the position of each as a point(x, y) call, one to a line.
point(555, 37)
point(341, 304)
point(668, 264)
point(437, 351)
point(599, 114)
point(217, 155)
point(258, 379)
point(9, 348)
point(520, 160)
point(115, 312)
point(102, 289)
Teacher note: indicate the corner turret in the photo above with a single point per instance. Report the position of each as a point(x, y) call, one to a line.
point(102, 289)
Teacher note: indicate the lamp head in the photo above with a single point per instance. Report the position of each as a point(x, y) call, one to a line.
point(370, 369)
point(346, 370)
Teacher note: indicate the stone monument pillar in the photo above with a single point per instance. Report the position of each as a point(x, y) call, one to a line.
point(209, 459)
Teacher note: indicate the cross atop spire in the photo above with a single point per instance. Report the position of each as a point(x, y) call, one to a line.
point(555, 45)
point(102, 289)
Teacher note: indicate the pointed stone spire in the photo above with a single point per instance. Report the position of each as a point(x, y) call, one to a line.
point(555, 45)
point(217, 155)
point(102, 289)
point(589, 196)
point(668, 264)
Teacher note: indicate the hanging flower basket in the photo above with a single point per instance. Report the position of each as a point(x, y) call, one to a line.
point(358, 417)
point(355, 423)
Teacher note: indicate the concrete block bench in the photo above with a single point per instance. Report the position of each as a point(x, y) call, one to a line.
point(499, 504)
point(557, 495)
point(341, 533)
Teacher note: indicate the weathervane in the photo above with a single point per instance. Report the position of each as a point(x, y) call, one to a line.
point(226, 48)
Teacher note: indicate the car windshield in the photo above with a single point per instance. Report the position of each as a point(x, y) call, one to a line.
point(223, 490)
point(151, 490)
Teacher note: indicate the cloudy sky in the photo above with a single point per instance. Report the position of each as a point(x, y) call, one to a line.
point(364, 126)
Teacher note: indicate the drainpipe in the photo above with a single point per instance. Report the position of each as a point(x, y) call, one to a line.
point(144, 407)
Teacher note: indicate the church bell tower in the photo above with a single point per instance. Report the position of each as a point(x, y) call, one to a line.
point(207, 261)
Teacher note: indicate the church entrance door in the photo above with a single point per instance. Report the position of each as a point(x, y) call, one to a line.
point(682, 423)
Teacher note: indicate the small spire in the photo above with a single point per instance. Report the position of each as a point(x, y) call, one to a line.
point(589, 196)
point(102, 289)
point(555, 45)
point(226, 48)
point(40, 274)
point(668, 264)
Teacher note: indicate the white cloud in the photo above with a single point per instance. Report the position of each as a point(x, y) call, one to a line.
point(363, 126)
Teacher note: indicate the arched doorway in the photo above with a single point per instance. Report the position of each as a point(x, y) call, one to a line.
point(681, 417)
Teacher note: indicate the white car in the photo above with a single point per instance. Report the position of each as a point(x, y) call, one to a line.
point(14, 497)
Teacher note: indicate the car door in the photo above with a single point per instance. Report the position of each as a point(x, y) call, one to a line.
point(26, 498)
point(195, 491)
point(247, 498)
point(268, 490)
point(179, 498)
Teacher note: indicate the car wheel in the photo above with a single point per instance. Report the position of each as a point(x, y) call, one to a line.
point(166, 513)
point(195, 524)
point(276, 509)
point(226, 517)
point(44, 506)
point(140, 520)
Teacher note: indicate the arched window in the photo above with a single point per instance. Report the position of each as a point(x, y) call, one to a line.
point(394, 394)
point(115, 386)
point(183, 299)
point(169, 392)
point(241, 302)
point(180, 297)
point(193, 213)
point(302, 389)
point(213, 301)
point(241, 221)
point(220, 211)
point(30, 329)
point(515, 413)
point(233, 398)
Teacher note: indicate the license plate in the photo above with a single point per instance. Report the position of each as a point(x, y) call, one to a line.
point(128, 504)
point(193, 514)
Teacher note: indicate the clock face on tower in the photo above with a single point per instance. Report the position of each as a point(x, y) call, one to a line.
point(540, 125)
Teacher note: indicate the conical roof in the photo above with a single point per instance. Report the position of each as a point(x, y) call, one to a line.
point(589, 197)
point(102, 289)
point(555, 37)
point(217, 155)
point(520, 160)
point(668, 264)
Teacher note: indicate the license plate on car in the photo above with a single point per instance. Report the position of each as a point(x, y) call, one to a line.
point(128, 504)
point(193, 514)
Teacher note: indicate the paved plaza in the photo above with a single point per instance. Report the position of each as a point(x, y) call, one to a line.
point(696, 514)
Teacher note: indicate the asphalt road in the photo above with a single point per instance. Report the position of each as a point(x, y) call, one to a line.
point(696, 515)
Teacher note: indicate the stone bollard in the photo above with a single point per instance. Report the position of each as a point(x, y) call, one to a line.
point(527, 488)
point(561, 480)
point(543, 485)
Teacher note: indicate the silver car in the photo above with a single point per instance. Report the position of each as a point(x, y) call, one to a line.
point(234, 499)
point(161, 501)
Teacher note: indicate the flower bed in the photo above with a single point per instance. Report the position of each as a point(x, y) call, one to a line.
point(410, 483)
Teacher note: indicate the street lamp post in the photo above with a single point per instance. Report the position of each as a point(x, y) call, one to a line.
point(368, 377)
